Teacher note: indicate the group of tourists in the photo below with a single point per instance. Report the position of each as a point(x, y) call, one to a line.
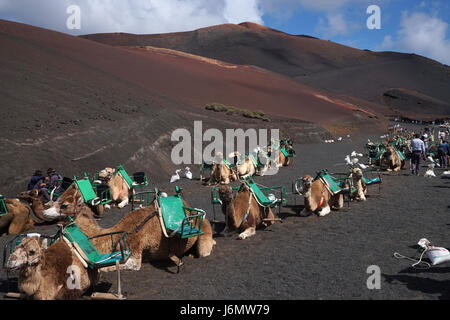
point(45, 183)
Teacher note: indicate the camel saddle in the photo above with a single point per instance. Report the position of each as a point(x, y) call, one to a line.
point(177, 219)
point(139, 178)
point(261, 197)
point(87, 191)
point(73, 235)
point(332, 185)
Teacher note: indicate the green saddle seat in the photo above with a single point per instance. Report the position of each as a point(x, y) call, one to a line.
point(260, 196)
point(332, 185)
point(371, 181)
point(3, 208)
point(89, 253)
point(130, 182)
point(87, 191)
point(401, 155)
point(175, 219)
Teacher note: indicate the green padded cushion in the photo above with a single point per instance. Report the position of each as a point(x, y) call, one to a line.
point(227, 163)
point(125, 175)
point(334, 187)
point(86, 190)
point(172, 210)
point(284, 152)
point(371, 181)
point(3, 208)
point(258, 193)
point(95, 259)
point(110, 258)
point(74, 234)
point(254, 160)
point(400, 154)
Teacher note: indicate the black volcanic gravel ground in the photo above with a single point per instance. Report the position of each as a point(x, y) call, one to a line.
point(309, 257)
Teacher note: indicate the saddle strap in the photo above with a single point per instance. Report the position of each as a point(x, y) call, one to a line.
point(139, 227)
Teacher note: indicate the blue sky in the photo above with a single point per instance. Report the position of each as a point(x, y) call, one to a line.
point(412, 26)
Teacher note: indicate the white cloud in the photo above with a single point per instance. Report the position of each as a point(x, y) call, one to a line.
point(335, 25)
point(133, 16)
point(421, 34)
point(387, 44)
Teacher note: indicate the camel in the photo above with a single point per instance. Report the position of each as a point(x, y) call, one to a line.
point(17, 220)
point(144, 233)
point(318, 198)
point(394, 161)
point(281, 159)
point(243, 212)
point(55, 273)
point(361, 188)
point(221, 173)
point(35, 200)
point(120, 191)
point(246, 168)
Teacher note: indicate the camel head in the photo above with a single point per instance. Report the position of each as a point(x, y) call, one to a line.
point(307, 182)
point(357, 174)
point(69, 204)
point(30, 195)
point(390, 151)
point(106, 174)
point(225, 194)
point(28, 253)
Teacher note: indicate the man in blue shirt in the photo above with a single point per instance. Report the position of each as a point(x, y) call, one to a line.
point(418, 151)
point(443, 152)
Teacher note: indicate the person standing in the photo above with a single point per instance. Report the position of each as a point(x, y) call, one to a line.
point(443, 152)
point(418, 151)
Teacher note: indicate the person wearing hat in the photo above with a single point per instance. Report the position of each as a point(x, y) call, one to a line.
point(37, 176)
point(51, 181)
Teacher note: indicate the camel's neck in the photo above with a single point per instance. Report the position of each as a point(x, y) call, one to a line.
point(87, 223)
point(30, 279)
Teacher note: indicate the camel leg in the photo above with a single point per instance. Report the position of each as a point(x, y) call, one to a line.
point(205, 242)
point(177, 261)
point(326, 210)
point(123, 203)
point(247, 233)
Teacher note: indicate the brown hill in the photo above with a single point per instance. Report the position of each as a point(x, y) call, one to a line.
point(78, 105)
point(344, 70)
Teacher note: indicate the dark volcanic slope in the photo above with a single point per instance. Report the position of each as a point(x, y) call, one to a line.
point(78, 105)
point(360, 73)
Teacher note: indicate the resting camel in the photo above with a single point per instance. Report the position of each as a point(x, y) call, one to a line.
point(356, 175)
point(221, 173)
point(144, 233)
point(44, 273)
point(17, 220)
point(243, 213)
point(394, 161)
point(120, 191)
point(318, 198)
point(281, 160)
point(247, 167)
